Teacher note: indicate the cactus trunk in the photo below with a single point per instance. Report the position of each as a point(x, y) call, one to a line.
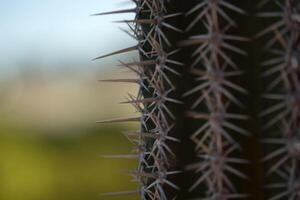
point(204, 109)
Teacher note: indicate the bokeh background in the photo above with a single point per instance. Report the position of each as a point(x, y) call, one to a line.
point(50, 146)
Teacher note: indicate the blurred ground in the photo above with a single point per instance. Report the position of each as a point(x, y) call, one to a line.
point(50, 145)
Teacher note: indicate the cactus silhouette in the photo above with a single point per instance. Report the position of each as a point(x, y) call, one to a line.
point(219, 99)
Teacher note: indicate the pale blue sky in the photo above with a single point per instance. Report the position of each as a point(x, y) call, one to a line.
point(58, 31)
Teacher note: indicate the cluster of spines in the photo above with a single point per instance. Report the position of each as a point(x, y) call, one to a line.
point(283, 116)
point(155, 155)
point(213, 93)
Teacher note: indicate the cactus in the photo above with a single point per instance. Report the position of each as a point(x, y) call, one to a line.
point(283, 89)
point(199, 99)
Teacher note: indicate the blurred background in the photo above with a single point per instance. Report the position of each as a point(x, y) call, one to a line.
point(50, 146)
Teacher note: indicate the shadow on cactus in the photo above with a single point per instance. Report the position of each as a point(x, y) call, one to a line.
point(218, 100)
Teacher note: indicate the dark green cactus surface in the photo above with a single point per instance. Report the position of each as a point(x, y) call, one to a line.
point(219, 99)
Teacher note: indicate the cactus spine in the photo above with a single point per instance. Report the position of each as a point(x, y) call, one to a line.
point(189, 144)
point(283, 90)
point(213, 97)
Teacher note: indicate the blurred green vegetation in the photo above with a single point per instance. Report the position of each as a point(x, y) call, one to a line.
point(67, 165)
point(50, 146)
